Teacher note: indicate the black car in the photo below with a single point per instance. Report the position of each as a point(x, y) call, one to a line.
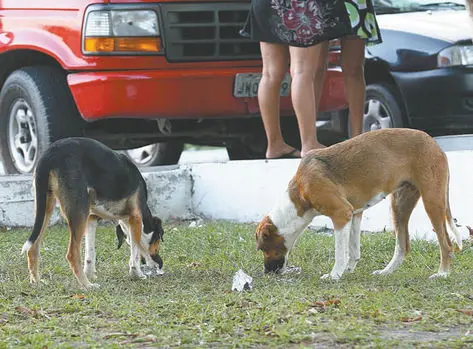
point(421, 75)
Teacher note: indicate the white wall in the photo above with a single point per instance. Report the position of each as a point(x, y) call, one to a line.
point(243, 191)
point(169, 190)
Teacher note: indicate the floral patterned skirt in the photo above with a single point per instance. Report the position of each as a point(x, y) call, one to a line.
point(309, 22)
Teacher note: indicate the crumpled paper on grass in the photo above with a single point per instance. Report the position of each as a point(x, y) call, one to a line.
point(242, 281)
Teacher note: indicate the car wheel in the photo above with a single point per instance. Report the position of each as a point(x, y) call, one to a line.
point(36, 109)
point(241, 151)
point(383, 108)
point(156, 154)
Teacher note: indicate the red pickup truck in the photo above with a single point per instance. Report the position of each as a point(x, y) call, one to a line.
point(134, 72)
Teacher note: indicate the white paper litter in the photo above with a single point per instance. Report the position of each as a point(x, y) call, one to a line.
point(241, 281)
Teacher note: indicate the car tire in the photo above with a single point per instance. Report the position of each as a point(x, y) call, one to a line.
point(156, 154)
point(383, 108)
point(241, 151)
point(36, 109)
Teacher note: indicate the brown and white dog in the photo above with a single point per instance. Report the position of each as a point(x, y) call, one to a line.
point(343, 180)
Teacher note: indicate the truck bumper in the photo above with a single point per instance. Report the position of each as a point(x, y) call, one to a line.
point(178, 94)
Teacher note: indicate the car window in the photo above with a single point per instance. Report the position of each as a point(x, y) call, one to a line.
point(399, 6)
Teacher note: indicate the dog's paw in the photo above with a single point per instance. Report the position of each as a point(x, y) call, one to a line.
point(89, 286)
point(334, 277)
point(34, 280)
point(381, 272)
point(92, 286)
point(135, 272)
point(438, 275)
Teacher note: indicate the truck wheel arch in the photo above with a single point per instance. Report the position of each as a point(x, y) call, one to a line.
point(16, 59)
point(36, 109)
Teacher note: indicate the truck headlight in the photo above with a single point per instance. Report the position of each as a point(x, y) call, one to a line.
point(121, 31)
point(455, 56)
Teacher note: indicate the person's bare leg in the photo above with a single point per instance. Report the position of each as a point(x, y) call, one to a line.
point(321, 64)
point(303, 68)
point(353, 59)
point(469, 6)
point(275, 63)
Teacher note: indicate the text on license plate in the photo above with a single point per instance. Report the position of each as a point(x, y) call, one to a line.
point(246, 85)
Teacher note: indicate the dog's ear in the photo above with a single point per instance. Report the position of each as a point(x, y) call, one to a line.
point(158, 229)
point(264, 232)
point(157, 221)
point(268, 230)
point(259, 243)
point(120, 236)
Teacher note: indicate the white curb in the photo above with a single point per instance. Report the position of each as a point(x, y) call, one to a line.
point(243, 191)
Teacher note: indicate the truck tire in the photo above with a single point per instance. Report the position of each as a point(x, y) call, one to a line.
point(241, 151)
point(36, 109)
point(156, 154)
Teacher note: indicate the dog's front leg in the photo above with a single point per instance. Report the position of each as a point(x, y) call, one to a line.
point(354, 243)
point(134, 264)
point(90, 255)
point(341, 252)
point(136, 228)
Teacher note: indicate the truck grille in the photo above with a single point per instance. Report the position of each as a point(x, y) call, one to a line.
point(207, 32)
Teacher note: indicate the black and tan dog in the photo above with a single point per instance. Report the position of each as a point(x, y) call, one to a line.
point(92, 182)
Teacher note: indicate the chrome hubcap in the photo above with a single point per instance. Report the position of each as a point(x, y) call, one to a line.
point(144, 155)
point(376, 116)
point(22, 136)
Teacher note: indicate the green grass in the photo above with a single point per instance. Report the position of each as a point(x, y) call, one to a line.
point(192, 304)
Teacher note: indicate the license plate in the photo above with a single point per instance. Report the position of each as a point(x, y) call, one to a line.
point(246, 85)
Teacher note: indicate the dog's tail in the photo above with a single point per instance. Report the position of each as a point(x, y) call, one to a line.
point(41, 188)
point(453, 231)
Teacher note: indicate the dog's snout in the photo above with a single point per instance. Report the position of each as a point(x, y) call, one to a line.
point(157, 258)
point(274, 266)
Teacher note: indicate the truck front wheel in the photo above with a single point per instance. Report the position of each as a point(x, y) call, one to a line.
point(156, 154)
point(36, 109)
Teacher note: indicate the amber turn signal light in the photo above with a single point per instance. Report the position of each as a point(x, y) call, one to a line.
point(121, 44)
